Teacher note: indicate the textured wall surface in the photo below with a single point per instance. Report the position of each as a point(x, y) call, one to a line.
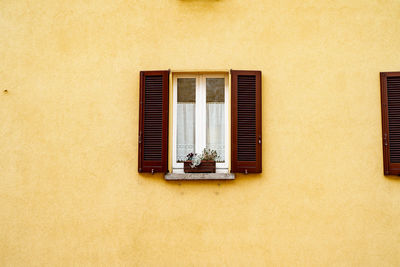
point(70, 193)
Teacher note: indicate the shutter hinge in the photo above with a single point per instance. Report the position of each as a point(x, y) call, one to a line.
point(140, 137)
point(259, 139)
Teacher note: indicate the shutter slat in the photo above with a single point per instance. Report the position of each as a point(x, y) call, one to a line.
point(393, 96)
point(153, 125)
point(246, 121)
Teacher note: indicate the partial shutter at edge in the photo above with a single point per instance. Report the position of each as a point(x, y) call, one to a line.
point(246, 137)
point(390, 105)
point(153, 121)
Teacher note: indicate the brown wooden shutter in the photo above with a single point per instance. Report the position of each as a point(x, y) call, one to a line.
point(246, 121)
point(390, 104)
point(153, 121)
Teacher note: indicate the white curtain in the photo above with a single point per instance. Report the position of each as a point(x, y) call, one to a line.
point(185, 130)
point(216, 128)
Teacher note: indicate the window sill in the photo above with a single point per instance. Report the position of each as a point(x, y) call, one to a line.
point(199, 176)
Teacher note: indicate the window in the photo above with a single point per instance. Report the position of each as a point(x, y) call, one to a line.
point(201, 105)
point(200, 112)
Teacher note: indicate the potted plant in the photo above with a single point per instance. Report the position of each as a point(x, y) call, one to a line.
point(204, 162)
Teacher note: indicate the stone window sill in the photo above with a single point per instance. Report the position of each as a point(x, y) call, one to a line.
point(199, 176)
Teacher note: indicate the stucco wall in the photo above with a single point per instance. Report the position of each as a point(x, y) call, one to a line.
point(70, 193)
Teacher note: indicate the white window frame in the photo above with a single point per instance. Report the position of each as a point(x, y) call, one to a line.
point(200, 133)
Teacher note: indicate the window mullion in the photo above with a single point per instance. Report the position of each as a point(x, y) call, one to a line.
point(200, 114)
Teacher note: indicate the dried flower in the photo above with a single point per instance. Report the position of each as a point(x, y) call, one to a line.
point(190, 156)
point(196, 161)
point(209, 154)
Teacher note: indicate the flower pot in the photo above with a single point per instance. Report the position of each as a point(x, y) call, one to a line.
point(205, 166)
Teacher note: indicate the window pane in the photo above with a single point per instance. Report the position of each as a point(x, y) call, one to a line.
point(186, 107)
point(215, 88)
point(186, 90)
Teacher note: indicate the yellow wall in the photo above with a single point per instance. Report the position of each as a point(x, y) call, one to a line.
point(70, 193)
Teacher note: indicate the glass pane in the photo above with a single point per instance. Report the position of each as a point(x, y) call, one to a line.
point(186, 90)
point(185, 123)
point(216, 116)
point(215, 89)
